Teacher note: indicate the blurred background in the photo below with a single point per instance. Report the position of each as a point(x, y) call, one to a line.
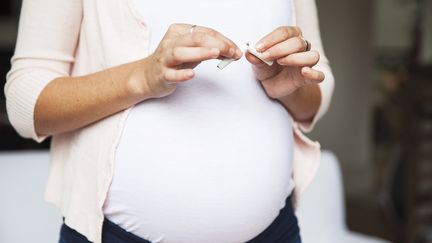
point(379, 125)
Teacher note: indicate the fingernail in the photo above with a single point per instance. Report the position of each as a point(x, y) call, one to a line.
point(189, 73)
point(239, 53)
point(231, 52)
point(265, 55)
point(259, 46)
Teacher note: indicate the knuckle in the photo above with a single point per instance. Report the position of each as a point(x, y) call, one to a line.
point(279, 31)
point(282, 29)
point(176, 55)
point(297, 30)
point(299, 43)
point(285, 31)
point(198, 38)
point(212, 32)
point(172, 27)
point(226, 48)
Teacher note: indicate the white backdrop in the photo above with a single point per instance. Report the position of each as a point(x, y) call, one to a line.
point(24, 216)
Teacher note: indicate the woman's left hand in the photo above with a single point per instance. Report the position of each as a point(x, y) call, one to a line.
point(292, 67)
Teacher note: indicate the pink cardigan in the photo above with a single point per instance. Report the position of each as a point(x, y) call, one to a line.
point(75, 37)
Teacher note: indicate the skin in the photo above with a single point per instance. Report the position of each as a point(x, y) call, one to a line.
point(69, 103)
point(291, 79)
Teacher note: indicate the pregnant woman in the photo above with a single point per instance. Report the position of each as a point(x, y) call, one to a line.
point(151, 141)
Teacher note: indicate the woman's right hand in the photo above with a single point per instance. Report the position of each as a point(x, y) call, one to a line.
point(68, 103)
point(178, 53)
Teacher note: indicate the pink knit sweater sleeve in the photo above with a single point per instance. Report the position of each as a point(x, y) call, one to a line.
point(47, 39)
point(307, 20)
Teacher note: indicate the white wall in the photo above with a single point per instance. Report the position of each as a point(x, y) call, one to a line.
point(24, 215)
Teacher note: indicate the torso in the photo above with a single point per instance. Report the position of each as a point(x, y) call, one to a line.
point(213, 160)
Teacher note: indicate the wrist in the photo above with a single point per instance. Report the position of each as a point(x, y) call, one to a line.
point(138, 81)
point(303, 103)
point(291, 99)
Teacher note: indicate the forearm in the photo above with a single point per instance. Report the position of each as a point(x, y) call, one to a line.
point(303, 104)
point(69, 103)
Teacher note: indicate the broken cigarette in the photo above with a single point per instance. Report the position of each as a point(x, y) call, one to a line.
point(254, 52)
point(224, 63)
point(248, 48)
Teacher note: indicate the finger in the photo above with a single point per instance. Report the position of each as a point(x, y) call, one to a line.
point(180, 55)
point(174, 75)
point(180, 29)
point(261, 69)
point(301, 59)
point(285, 48)
point(217, 34)
point(201, 39)
point(313, 75)
point(278, 35)
point(254, 60)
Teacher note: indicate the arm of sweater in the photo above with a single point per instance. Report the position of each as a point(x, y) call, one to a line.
point(42, 98)
point(44, 51)
point(307, 20)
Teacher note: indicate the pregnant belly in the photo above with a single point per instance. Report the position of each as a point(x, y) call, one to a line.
point(201, 171)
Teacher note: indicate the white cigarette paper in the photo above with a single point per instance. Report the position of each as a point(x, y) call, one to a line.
point(254, 52)
point(224, 63)
point(248, 48)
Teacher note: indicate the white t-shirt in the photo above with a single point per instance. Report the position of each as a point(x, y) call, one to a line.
point(211, 162)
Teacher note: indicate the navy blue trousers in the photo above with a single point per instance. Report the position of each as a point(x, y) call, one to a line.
point(284, 229)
